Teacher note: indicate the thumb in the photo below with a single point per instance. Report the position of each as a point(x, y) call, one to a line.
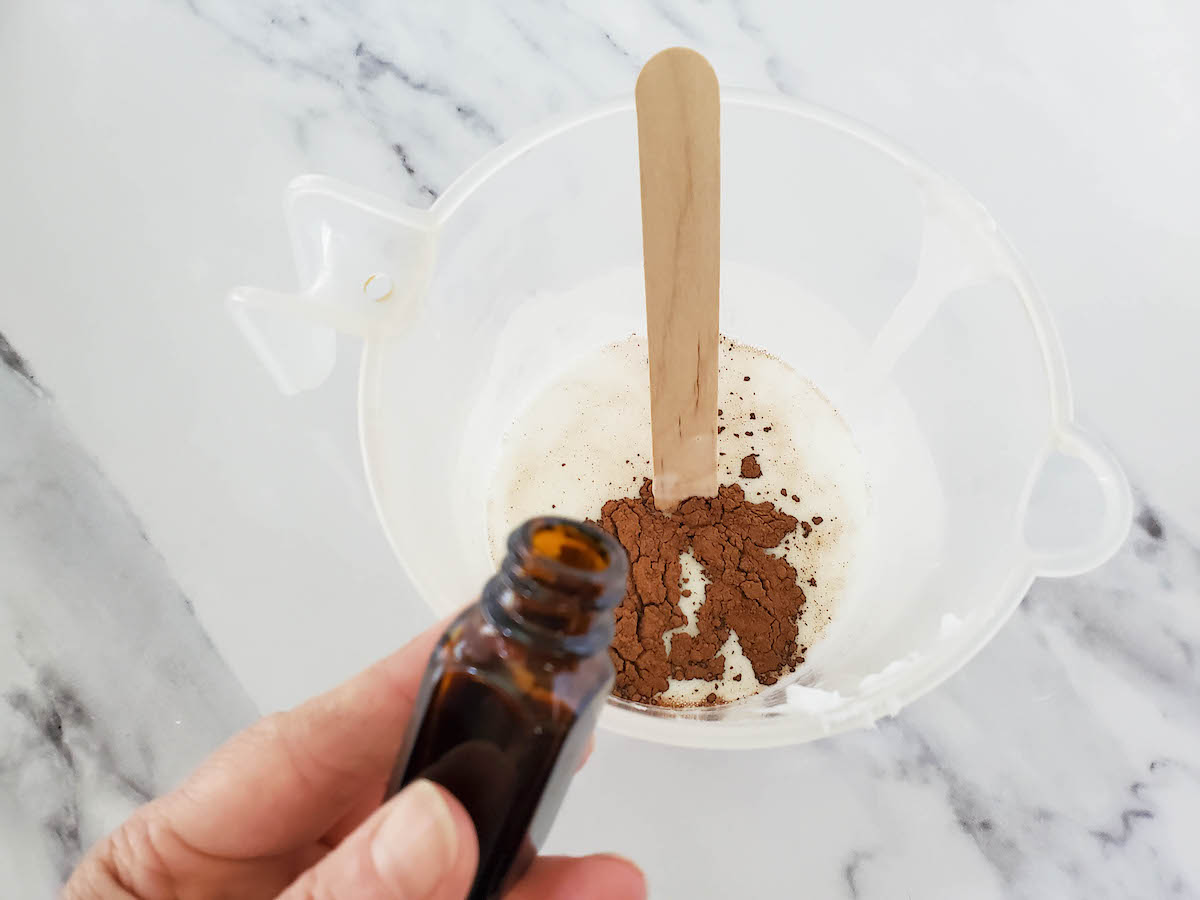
point(420, 845)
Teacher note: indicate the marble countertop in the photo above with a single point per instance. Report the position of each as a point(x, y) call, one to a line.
point(178, 542)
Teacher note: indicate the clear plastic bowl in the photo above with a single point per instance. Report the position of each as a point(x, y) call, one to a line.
point(888, 286)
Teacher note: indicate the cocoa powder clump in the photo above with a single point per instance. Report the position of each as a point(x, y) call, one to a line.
point(750, 466)
point(749, 591)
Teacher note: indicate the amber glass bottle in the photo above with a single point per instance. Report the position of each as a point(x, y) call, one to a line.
point(513, 689)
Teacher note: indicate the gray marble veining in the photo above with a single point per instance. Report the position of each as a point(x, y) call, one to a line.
point(109, 689)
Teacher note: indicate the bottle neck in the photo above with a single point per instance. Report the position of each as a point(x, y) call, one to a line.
point(557, 587)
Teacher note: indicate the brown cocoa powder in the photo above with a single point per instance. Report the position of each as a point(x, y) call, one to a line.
point(750, 466)
point(750, 591)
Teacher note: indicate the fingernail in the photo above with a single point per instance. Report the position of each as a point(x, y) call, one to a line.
point(417, 843)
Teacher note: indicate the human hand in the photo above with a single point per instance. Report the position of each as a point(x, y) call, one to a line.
point(290, 808)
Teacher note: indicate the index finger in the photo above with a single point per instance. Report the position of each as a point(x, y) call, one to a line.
point(290, 777)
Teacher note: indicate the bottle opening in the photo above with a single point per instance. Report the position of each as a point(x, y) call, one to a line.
point(554, 560)
point(569, 546)
point(558, 585)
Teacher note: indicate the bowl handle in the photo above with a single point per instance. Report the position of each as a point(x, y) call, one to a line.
point(1114, 520)
point(363, 261)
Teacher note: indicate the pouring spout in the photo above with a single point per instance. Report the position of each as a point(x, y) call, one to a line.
point(363, 261)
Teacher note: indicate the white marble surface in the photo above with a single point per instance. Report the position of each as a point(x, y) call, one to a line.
point(111, 691)
point(154, 471)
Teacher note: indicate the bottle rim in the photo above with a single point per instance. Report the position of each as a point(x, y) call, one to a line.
point(605, 584)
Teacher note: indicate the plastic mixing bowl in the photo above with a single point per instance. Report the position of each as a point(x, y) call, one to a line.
point(878, 279)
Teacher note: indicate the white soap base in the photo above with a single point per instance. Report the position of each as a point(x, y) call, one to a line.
point(586, 439)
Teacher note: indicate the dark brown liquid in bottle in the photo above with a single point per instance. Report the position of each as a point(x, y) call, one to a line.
point(513, 690)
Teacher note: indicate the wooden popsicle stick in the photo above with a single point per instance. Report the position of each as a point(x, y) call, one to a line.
point(679, 117)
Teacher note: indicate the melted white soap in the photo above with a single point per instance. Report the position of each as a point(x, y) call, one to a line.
point(586, 439)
